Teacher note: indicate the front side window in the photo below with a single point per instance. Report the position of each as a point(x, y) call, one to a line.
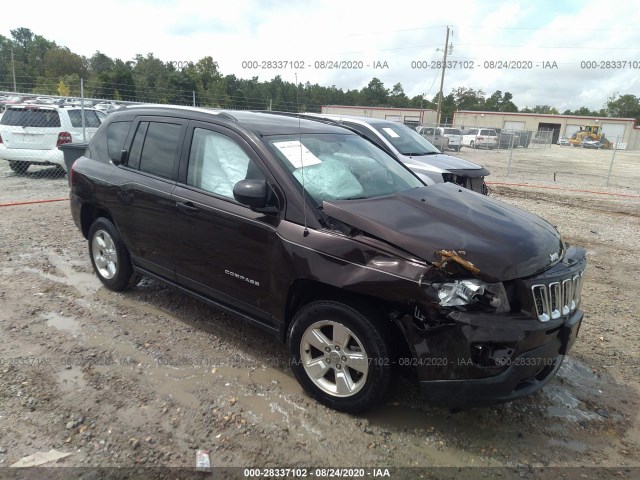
point(341, 167)
point(217, 163)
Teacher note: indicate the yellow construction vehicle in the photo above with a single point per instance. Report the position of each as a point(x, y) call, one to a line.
point(590, 132)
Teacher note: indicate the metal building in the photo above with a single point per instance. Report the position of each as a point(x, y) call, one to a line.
point(622, 130)
point(408, 116)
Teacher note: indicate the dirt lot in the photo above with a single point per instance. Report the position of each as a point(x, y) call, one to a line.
point(150, 376)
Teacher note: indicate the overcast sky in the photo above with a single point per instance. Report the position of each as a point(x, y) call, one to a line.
point(396, 32)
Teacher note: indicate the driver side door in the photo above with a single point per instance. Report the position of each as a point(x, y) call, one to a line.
point(222, 249)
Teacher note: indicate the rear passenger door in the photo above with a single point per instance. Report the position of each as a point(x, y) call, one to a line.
point(142, 206)
point(222, 249)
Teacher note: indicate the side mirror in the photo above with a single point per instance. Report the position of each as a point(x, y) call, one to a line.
point(254, 194)
point(122, 159)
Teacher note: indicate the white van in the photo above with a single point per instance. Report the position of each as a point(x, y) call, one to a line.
point(480, 138)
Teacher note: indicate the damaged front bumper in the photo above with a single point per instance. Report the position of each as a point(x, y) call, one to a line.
point(501, 366)
point(466, 357)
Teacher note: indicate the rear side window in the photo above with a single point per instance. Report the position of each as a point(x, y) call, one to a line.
point(91, 120)
point(451, 131)
point(116, 136)
point(154, 148)
point(30, 117)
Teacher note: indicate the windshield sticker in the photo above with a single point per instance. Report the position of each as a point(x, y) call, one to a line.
point(391, 132)
point(297, 154)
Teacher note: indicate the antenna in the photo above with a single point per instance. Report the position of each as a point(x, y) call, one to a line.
point(304, 196)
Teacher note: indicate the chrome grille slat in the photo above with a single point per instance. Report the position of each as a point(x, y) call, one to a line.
point(555, 299)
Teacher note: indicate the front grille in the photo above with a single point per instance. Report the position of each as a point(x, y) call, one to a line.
point(556, 299)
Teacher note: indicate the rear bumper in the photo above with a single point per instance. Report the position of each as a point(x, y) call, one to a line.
point(525, 374)
point(35, 157)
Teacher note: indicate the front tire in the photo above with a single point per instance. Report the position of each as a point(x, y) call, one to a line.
point(339, 356)
point(109, 256)
point(19, 167)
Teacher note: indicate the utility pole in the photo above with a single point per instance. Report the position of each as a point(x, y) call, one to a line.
point(444, 66)
point(13, 66)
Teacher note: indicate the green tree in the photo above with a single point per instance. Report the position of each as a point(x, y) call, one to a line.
point(625, 106)
point(397, 97)
point(544, 109)
point(61, 61)
point(500, 103)
point(468, 99)
point(374, 94)
point(100, 64)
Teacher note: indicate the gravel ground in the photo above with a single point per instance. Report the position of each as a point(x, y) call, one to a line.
point(149, 376)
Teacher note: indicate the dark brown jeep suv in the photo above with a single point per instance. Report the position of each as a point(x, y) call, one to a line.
point(316, 235)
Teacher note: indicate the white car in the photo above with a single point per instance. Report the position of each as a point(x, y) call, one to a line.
point(455, 138)
point(31, 134)
point(480, 138)
point(435, 136)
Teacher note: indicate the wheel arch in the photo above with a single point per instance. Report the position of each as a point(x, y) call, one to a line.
point(89, 213)
point(304, 291)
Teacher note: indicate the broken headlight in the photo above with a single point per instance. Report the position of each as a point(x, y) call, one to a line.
point(466, 292)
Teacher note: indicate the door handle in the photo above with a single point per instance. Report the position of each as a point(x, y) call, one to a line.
point(187, 207)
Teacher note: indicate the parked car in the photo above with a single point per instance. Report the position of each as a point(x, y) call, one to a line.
point(30, 134)
point(107, 107)
point(12, 100)
point(507, 138)
point(412, 149)
point(75, 102)
point(435, 136)
point(543, 137)
point(590, 143)
point(319, 237)
point(480, 138)
point(563, 141)
point(455, 138)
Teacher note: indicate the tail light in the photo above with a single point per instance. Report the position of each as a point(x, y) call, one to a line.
point(1, 139)
point(480, 138)
point(63, 137)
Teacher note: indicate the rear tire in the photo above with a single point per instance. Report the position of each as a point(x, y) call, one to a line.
point(19, 167)
point(340, 356)
point(109, 256)
point(472, 144)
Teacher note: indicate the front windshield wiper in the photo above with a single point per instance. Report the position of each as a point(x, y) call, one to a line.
point(419, 154)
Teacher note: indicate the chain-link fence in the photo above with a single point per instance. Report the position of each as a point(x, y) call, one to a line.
point(584, 161)
point(34, 128)
point(456, 137)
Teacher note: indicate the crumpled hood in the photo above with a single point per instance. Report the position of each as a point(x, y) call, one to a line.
point(447, 163)
point(502, 241)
